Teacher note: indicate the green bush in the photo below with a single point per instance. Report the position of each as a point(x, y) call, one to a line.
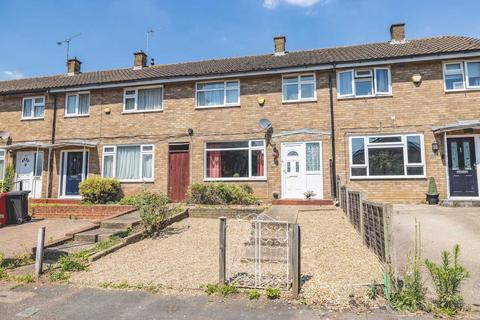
point(447, 278)
point(6, 184)
point(100, 190)
point(272, 293)
point(141, 199)
point(221, 193)
point(154, 210)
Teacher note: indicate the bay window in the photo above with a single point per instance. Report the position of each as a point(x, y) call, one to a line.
point(236, 160)
point(364, 82)
point(33, 108)
point(461, 75)
point(299, 88)
point(143, 99)
point(77, 104)
point(389, 156)
point(217, 94)
point(128, 163)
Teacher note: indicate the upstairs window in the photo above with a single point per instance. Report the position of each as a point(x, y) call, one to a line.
point(461, 75)
point(143, 99)
point(218, 94)
point(392, 156)
point(364, 82)
point(299, 88)
point(33, 108)
point(77, 104)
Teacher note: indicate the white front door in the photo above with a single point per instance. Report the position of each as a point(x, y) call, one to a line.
point(29, 168)
point(302, 170)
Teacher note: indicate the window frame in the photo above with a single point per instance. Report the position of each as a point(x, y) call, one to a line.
point(135, 110)
point(299, 87)
point(404, 144)
point(114, 164)
point(444, 69)
point(4, 158)
point(77, 101)
point(250, 148)
point(32, 117)
point(373, 71)
point(225, 104)
point(466, 82)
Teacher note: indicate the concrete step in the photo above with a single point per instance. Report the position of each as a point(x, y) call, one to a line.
point(70, 247)
point(96, 235)
point(122, 222)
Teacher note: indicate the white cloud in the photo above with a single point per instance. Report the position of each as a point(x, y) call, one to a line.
point(270, 4)
point(13, 74)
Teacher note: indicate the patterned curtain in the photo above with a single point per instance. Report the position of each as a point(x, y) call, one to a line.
point(313, 156)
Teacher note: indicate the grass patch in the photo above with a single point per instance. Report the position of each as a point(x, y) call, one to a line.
point(73, 262)
point(150, 288)
point(58, 276)
point(28, 278)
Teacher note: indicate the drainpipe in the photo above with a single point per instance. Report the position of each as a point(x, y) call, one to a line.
point(48, 194)
point(332, 127)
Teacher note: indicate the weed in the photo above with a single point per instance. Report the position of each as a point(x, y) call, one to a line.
point(447, 278)
point(211, 289)
point(373, 291)
point(56, 276)
point(253, 294)
point(3, 271)
point(272, 293)
point(150, 288)
point(73, 262)
point(105, 244)
point(227, 289)
point(28, 278)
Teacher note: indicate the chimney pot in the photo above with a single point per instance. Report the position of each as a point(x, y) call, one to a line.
point(279, 42)
point(397, 32)
point(140, 60)
point(73, 66)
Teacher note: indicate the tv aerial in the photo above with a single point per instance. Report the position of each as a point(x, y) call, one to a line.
point(67, 42)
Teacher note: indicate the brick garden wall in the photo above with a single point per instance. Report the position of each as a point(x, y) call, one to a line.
point(88, 212)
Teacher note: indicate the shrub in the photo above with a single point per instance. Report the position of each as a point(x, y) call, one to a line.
point(221, 193)
point(100, 190)
point(447, 278)
point(272, 293)
point(153, 212)
point(6, 184)
point(253, 294)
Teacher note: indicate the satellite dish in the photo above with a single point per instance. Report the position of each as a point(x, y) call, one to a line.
point(265, 123)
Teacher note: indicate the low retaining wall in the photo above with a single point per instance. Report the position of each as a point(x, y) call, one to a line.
point(72, 211)
point(215, 213)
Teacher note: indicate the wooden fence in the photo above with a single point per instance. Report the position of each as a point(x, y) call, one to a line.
point(373, 220)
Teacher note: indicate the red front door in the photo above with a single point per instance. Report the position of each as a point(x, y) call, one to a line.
point(179, 172)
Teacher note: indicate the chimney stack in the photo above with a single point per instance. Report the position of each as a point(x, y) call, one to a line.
point(140, 60)
point(279, 42)
point(73, 66)
point(397, 32)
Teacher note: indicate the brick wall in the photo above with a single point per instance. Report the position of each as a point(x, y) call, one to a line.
point(88, 212)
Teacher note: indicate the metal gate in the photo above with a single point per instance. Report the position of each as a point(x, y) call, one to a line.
point(258, 252)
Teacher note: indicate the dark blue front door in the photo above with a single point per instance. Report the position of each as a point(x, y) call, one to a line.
point(462, 168)
point(74, 172)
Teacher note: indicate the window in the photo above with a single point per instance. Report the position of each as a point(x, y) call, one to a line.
point(299, 88)
point(128, 163)
point(392, 156)
point(33, 108)
point(461, 75)
point(364, 82)
point(238, 160)
point(2, 164)
point(77, 104)
point(143, 99)
point(218, 94)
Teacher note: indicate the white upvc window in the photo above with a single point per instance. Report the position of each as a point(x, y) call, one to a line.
point(2, 163)
point(217, 94)
point(77, 104)
point(129, 163)
point(387, 156)
point(367, 82)
point(143, 99)
point(235, 160)
point(33, 107)
point(461, 75)
point(296, 88)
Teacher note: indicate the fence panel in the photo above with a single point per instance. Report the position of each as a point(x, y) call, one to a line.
point(355, 209)
point(343, 198)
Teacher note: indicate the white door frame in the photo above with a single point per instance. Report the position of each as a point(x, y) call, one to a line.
point(35, 181)
point(63, 174)
point(320, 195)
point(476, 138)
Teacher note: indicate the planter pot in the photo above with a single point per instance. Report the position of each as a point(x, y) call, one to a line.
point(432, 198)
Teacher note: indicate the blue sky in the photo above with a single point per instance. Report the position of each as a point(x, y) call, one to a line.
point(111, 30)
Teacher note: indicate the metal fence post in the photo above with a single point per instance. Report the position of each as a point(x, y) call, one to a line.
point(296, 260)
point(39, 251)
point(222, 250)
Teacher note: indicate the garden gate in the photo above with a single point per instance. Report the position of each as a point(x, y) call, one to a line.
point(259, 252)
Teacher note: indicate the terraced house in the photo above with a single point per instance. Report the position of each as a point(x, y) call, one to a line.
point(382, 117)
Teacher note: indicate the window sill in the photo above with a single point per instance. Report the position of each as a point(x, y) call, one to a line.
point(77, 116)
point(137, 181)
point(218, 107)
point(298, 101)
point(462, 90)
point(235, 179)
point(365, 97)
point(142, 111)
point(32, 119)
point(389, 178)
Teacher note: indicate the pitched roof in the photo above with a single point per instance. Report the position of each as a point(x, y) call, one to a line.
point(258, 63)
